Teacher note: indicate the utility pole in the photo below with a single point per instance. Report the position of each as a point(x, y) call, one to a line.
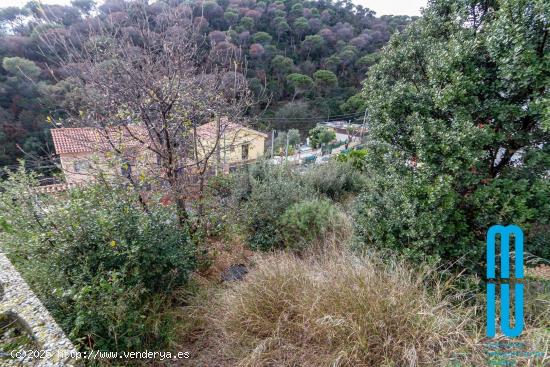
point(364, 125)
point(272, 142)
point(286, 148)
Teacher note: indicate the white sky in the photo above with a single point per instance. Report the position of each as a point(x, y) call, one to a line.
point(381, 7)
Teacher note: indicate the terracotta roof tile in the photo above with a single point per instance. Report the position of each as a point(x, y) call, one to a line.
point(89, 139)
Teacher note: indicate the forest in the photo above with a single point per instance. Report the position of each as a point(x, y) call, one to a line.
point(304, 59)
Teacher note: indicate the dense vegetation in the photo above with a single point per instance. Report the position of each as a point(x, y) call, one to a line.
point(459, 138)
point(304, 58)
point(374, 258)
point(105, 269)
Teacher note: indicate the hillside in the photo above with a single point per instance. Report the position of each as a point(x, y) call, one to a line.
point(304, 58)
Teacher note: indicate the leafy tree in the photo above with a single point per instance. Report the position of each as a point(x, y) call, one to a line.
point(297, 10)
point(300, 26)
point(364, 63)
point(332, 63)
point(456, 112)
point(261, 38)
point(246, 23)
point(325, 80)
point(211, 10)
point(313, 44)
point(293, 137)
point(231, 17)
point(282, 65)
point(256, 50)
point(354, 104)
point(300, 82)
point(320, 136)
point(281, 28)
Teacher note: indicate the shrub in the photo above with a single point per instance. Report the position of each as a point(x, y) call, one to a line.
point(102, 265)
point(355, 157)
point(424, 216)
point(334, 179)
point(340, 310)
point(222, 195)
point(311, 222)
point(273, 191)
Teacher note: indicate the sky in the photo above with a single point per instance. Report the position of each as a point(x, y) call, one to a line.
point(381, 7)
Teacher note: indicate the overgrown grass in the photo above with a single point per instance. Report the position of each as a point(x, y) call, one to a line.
point(338, 310)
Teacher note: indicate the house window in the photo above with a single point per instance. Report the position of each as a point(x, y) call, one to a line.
point(244, 153)
point(81, 166)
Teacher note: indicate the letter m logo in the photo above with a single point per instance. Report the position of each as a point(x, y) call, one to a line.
point(505, 233)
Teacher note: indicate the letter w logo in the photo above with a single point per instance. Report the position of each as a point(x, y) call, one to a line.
point(504, 233)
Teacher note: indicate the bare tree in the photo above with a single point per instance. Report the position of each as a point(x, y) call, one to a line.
point(156, 83)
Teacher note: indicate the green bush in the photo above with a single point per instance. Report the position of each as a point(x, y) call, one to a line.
point(453, 147)
point(334, 179)
point(273, 191)
point(103, 266)
point(355, 157)
point(309, 222)
point(424, 216)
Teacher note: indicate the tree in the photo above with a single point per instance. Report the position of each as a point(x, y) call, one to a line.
point(300, 82)
point(262, 38)
point(231, 17)
point(281, 66)
point(246, 23)
point(300, 26)
point(297, 10)
point(168, 89)
point(354, 104)
point(313, 44)
point(325, 80)
point(321, 135)
point(256, 50)
point(365, 62)
point(457, 142)
point(281, 28)
point(293, 137)
point(21, 68)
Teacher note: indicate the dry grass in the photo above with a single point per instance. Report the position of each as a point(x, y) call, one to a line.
point(336, 310)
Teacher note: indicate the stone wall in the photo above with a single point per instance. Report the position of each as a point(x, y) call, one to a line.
point(20, 304)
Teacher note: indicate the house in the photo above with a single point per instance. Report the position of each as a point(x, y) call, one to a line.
point(122, 151)
point(237, 144)
point(85, 152)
